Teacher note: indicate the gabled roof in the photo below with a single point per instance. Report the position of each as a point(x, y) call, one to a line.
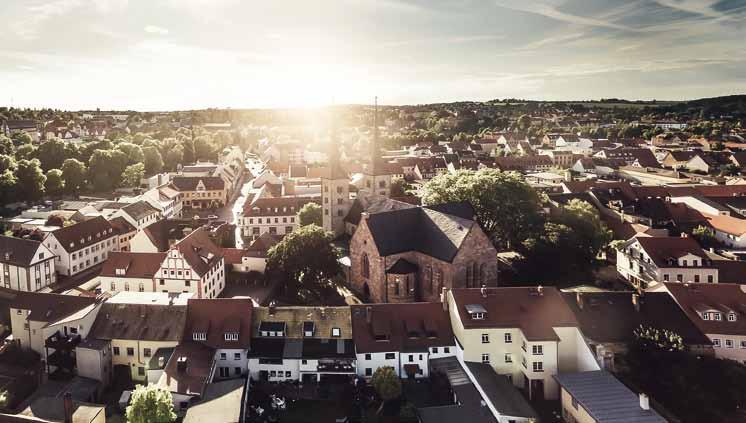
point(409, 327)
point(275, 206)
point(661, 249)
point(139, 210)
point(162, 232)
point(122, 226)
point(216, 317)
point(723, 297)
point(199, 251)
point(612, 317)
point(136, 265)
point(324, 318)
point(424, 229)
point(605, 398)
point(193, 379)
point(536, 314)
point(143, 322)
point(500, 391)
point(18, 251)
point(373, 204)
point(190, 183)
point(83, 234)
point(50, 307)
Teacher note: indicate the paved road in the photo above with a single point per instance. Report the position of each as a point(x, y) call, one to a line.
point(254, 167)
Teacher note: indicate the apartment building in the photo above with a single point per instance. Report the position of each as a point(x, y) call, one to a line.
point(193, 265)
point(201, 192)
point(276, 216)
point(126, 271)
point(83, 245)
point(26, 265)
point(526, 334)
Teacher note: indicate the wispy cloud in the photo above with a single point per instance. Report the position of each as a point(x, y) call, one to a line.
point(550, 11)
point(702, 8)
point(455, 39)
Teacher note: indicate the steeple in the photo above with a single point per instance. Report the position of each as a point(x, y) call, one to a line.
point(375, 152)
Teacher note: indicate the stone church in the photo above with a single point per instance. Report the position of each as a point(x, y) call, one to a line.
point(411, 254)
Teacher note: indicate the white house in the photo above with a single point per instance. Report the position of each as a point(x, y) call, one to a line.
point(194, 264)
point(83, 245)
point(26, 265)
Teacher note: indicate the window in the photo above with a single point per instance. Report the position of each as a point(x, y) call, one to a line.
point(705, 316)
point(411, 358)
point(141, 371)
point(709, 278)
point(696, 278)
point(679, 278)
point(231, 336)
point(538, 366)
point(367, 356)
point(223, 356)
point(368, 371)
point(236, 356)
point(485, 358)
point(485, 338)
point(288, 373)
point(718, 316)
point(731, 317)
point(130, 351)
point(743, 344)
point(665, 279)
point(508, 338)
point(146, 352)
point(116, 350)
point(199, 336)
point(435, 350)
point(446, 350)
point(477, 316)
point(508, 358)
point(336, 332)
point(237, 371)
point(390, 356)
point(716, 342)
point(728, 343)
point(537, 350)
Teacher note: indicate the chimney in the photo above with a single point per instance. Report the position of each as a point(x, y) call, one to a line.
point(272, 307)
point(579, 299)
point(67, 402)
point(540, 290)
point(161, 362)
point(364, 216)
point(368, 314)
point(181, 364)
point(644, 402)
point(483, 291)
point(684, 235)
point(636, 301)
point(712, 249)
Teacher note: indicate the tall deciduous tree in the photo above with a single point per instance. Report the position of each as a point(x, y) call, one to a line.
point(30, 180)
point(310, 214)
point(153, 160)
point(133, 174)
point(174, 157)
point(51, 154)
point(386, 383)
point(8, 182)
point(150, 404)
point(305, 259)
point(506, 207)
point(54, 185)
point(74, 173)
point(134, 153)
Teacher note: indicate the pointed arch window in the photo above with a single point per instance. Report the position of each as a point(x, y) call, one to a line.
point(365, 266)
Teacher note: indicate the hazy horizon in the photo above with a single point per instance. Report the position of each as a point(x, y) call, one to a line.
point(194, 54)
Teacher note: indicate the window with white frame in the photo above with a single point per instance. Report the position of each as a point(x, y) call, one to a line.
point(538, 366)
point(485, 338)
point(508, 357)
point(731, 317)
point(718, 316)
point(485, 358)
point(728, 343)
point(508, 338)
point(537, 349)
point(199, 336)
point(715, 342)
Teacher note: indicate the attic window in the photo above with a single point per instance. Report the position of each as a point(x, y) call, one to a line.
point(231, 336)
point(199, 336)
point(120, 271)
point(336, 332)
point(731, 317)
point(477, 315)
point(705, 316)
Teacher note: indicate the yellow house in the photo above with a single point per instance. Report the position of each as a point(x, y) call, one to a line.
point(527, 334)
point(138, 324)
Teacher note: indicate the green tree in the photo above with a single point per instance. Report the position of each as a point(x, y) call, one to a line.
point(204, 149)
point(73, 173)
point(386, 383)
point(26, 152)
point(30, 180)
point(399, 187)
point(8, 183)
point(7, 163)
point(704, 236)
point(153, 160)
point(305, 259)
point(506, 207)
point(523, 122)
point(133, 174)
point(51, 154)
point(174, 157)
point(21, 138)
point(134, 153)
point(55, 184)
point(150, 404)
point(310, 214)
point(6, 145)
point(106, 169)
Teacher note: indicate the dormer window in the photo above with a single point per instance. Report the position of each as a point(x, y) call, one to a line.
point(336, 332)
point(199, 336)
point(231, 336)
point(476, 311)
point(477, 316)
point(731, 317)
point(705, 316)
point(120, 272)
point(718, 316)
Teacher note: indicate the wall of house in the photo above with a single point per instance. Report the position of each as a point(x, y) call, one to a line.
point(231, 359)
point(573, 354)
point(140, 243)
point(287, 365)
point(377, 360)
point(118, 284)
point(419, 358)
point(138, 360)
point(39, 275)
point(83, 259)
point(176, 275)
point(254, 226)
point(251, 264)
point(737, 352)
point(571, 414)
point(94, 364)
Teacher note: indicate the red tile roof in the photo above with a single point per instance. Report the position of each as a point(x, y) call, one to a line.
point(83, 234)
point(136, 265)
point(215, 317)
point(697, 298)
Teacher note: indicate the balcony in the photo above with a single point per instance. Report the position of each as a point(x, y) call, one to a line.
point(62, 342)
point(335, 367)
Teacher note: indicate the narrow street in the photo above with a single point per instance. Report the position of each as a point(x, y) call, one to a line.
point(254, 168)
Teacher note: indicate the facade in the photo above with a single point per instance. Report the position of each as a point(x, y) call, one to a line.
point(403, 336)
point(193, 265)
point(166, 199)
point(410, 254)
point(125, 232)
point(275, 216)
point(83, 245)
point(25, 265)
point(527, 334)
point(301, 343)
point(645, 262)
point(139, 324)
point(201, 192)
point(125, 271)
point(718, 312)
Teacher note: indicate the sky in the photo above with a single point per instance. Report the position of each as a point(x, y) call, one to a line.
point(189, 54)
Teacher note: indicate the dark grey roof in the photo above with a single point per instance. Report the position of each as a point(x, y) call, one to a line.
point(424, 229)
point(605, 398)
point(140, 210)
point(455, 413)
point(500, 391)
point(221, 402)
point(18, 251)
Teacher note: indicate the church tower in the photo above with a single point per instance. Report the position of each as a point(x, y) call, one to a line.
point(335, 190)
point(377, 176)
